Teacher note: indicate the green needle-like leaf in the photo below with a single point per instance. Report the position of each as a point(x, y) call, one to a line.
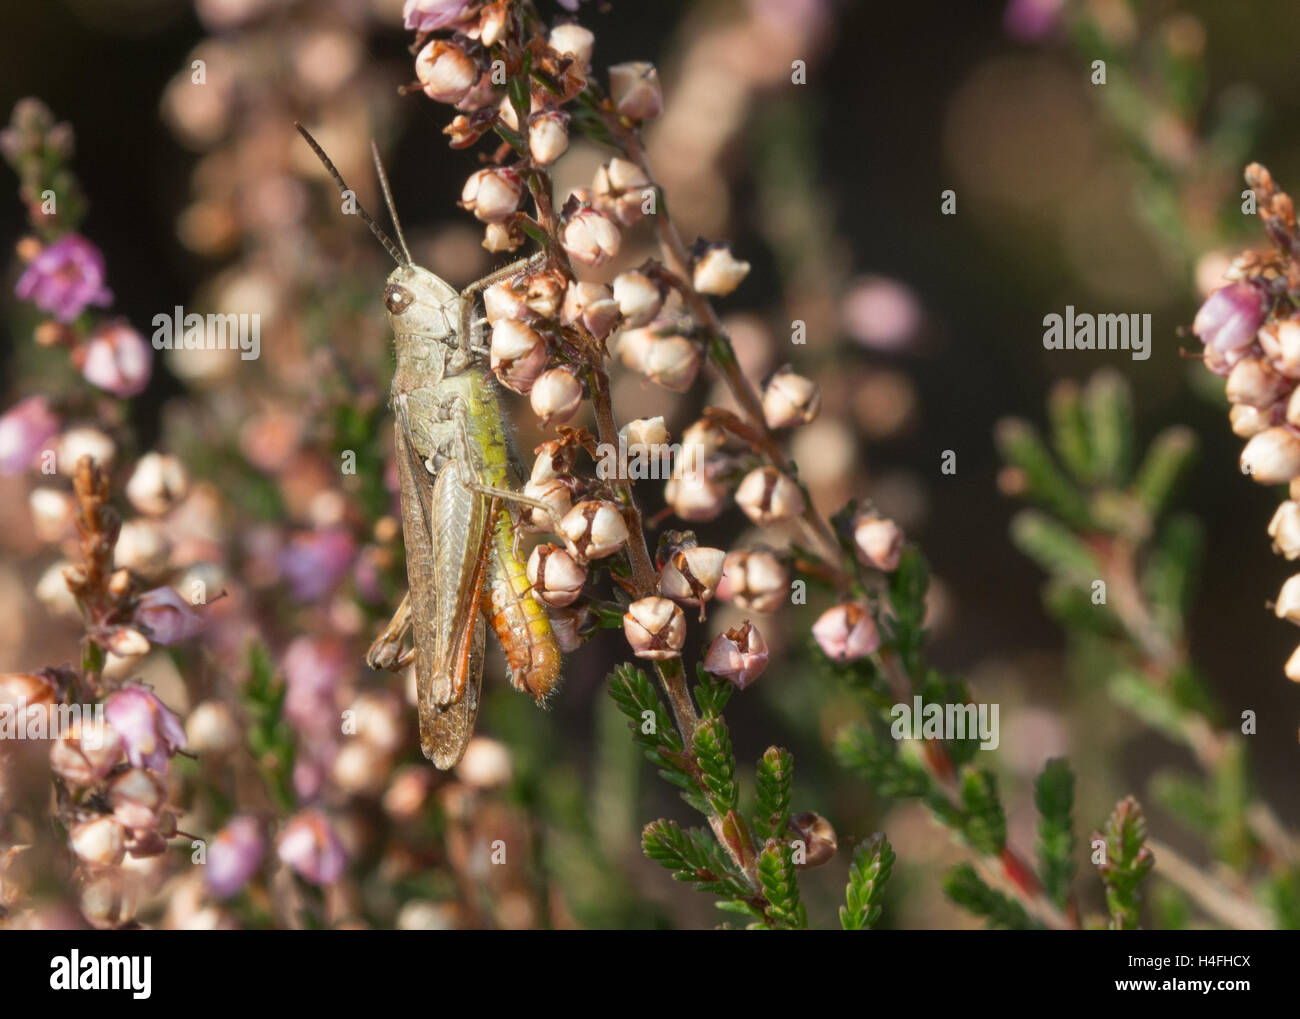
point(873, 862)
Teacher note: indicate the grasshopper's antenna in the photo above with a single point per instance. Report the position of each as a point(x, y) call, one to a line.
point(399, 255)
point(388, 200)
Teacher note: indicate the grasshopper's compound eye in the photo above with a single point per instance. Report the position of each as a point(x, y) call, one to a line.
point(397, 298)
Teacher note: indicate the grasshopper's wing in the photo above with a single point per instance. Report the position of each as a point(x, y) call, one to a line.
point(444, 527)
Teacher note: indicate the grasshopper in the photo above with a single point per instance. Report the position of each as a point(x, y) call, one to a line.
point(463, 569)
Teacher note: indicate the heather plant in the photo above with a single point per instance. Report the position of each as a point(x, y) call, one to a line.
point(229, 573)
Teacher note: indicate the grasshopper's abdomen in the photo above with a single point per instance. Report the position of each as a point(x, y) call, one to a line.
point(518, 619)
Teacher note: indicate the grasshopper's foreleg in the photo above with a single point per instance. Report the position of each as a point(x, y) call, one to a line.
point(387, 652)
point(468, 295)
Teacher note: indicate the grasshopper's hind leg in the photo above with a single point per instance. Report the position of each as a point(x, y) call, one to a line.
point(387, 652)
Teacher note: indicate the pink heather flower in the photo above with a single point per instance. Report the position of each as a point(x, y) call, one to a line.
point(430, 15)
point(117, 359)
point(1031, 20)
point(313, 563)
point(313, 669)
point(308, 845)
point(150, 732)
point(880, 313)
point(234, 856)
point(168, 617)
point(739, 655)
point(65, 277)
point(846, 632)
point(25, 428)
point(1230, 317)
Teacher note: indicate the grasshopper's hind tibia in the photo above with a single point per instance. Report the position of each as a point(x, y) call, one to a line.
point(389, 652)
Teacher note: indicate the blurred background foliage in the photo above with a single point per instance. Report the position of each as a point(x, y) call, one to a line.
point(924, 331)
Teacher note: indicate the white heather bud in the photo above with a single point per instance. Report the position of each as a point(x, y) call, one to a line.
point(755, 581)
point(1284, 529)
point(361, 768)
point(556, 494)
point(500, 237)
point(143, 546)
point(86, 753)
point(486, 764)
point(548, 136)
point(1253, 382)
point(670, 361)
point(846, 632)
point(552, 459)
point(109, 899)
point(591, 304)
point(879, 541)
point(518, 354)
point(556, 396)
point(634, 88)
point(52, 592)
point(1272, 457)
point(51, 512)
point(445, 71)
point(691, 575)
point(639, 297)
point(1248, 421)
point(1293, 666)
point(158, 483)
point(557, 577)
point(790, 399)
point(575, 41)
point(138, 798)
point(507, 115)
point(492, 194)
point(1287, 605)
point(655, 628)
point(594, 529)
point(619, 188)
point(643, 436)
point(407, 793)
point(544, 291)
point(128, 643)
point(211, 728)
point(100, 842)
point(1280, 342)
point(694, 495)
point(571, 626)
point(767, 496)
point(705, 436)
point(590, 237)
point(78, 442)
point(718, 272)
point(504, 300)
point(492, 23)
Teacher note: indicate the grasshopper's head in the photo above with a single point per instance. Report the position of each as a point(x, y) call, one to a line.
point(421, 304)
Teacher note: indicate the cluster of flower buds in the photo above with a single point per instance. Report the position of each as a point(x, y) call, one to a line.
point(117, 763)
point(1252, 337)
point(464, 67)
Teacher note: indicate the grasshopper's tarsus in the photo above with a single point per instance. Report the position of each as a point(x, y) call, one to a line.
point(388, 651)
